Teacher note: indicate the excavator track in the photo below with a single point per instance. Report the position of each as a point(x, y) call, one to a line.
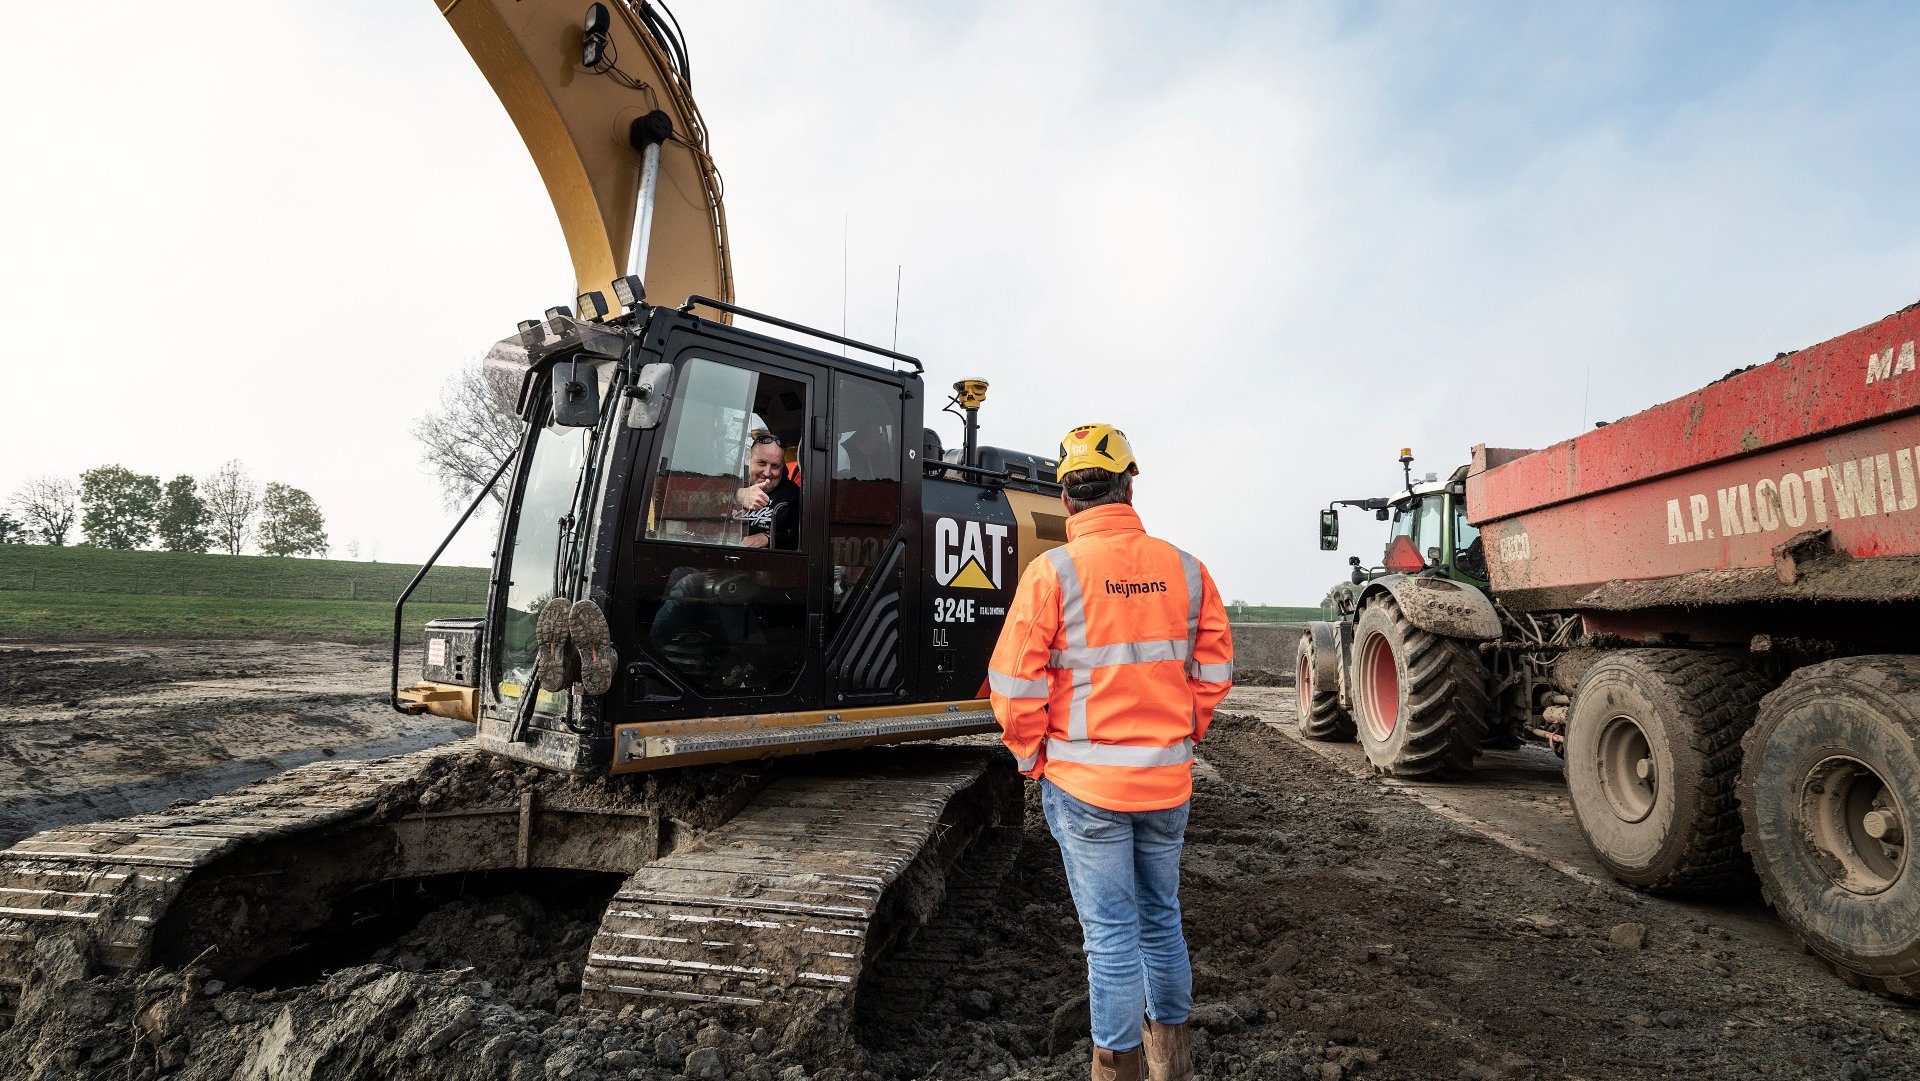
point(780, 905)
point(92, 898)
point(786, 904)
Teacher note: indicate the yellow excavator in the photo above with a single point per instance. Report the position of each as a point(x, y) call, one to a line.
point(720, 545)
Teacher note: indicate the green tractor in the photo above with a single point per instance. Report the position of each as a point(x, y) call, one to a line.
point(1416, 659)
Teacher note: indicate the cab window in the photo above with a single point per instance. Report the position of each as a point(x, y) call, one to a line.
point(1469, 555)
point(865, 504)
point(1427, 534)
point(725, 473)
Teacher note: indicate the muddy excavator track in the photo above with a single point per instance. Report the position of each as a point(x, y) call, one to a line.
point(786, 904)
point(780, 905)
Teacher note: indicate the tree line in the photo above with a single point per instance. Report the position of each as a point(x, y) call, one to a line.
point(118, 508)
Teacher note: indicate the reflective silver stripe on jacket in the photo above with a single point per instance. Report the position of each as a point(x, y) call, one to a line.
point(1027, 763)
point(1073, 630)
point(1191, 568)
point(1012, 687)
point(1120, 653)
point(1212, 673)
point(1115, 754)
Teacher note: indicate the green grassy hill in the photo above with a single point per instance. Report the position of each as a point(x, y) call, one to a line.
point(1267, 613)
point(34, 568)
point(85, 593)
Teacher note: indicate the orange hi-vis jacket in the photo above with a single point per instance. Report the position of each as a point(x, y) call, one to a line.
point(1112, 659)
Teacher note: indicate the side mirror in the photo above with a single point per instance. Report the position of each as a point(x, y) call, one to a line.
point(576, 395)
point(1329, 530)
point(648, 394)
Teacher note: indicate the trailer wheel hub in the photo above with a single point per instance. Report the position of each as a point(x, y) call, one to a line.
point(1628, 774)
point(1854, 824)
point(1380, 683)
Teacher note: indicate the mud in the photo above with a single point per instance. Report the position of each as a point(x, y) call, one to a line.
point(1339, 929)
point(90, 731)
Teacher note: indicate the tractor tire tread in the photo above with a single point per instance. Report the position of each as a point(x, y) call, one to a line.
point(1897, 678)
point(1320, 716)
point(1447, 702)
point(1723, 692)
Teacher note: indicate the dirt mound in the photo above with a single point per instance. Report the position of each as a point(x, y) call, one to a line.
point(695, 798)
point(1262, 677)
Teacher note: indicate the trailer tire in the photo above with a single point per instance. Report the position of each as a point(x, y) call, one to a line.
point(1321, 718)
point(1420, 700)
point(1652, 758)
point(1830, 791)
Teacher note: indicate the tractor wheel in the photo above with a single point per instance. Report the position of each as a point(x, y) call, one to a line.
point(1653, 750)
point(1320, 715)
point(1419, 699)
point(1830, 790)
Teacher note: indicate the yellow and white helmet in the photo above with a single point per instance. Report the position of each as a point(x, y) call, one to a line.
point(1096, 446)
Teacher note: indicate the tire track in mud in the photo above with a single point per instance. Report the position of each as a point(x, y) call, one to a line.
point(1461, 958)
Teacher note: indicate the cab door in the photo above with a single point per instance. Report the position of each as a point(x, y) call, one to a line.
point(872, 565)
point(722, 591)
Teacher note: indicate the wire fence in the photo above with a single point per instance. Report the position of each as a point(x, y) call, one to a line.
point(347, 589)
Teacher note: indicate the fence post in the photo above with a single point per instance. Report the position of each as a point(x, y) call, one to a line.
point(353, 589)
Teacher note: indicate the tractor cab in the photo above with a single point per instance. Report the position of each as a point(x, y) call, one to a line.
point(1429, 531)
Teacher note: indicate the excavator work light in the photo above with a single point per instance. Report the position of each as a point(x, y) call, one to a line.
point(525, 325)
point(593, 47)
point(593, 306)
point(560, 312)
point(629, 291)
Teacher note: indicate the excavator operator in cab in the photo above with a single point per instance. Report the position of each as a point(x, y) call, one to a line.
point(1113, 656)
point(769, 503)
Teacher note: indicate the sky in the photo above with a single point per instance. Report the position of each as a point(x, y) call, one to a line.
point(1273, 242)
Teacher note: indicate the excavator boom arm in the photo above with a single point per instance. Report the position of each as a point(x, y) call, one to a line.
point(578, 124)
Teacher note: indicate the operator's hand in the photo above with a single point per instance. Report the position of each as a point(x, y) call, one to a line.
point(752, 497)
point(758, 540)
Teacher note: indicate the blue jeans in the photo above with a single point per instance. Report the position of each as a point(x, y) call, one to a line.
point(1124, 870)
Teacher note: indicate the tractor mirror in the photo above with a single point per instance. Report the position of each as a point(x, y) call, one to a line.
point(647, 396)
point(1329, 530)
point(576, 395)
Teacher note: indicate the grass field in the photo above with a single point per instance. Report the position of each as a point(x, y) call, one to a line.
point(82, 593)
point(36, 568)
point(1266, 613)
point(93, 616)
point(92, 593)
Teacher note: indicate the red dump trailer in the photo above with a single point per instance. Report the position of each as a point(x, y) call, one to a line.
point(1743, 563)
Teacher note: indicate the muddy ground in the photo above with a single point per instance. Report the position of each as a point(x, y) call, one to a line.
point(1339, 926)
point(99, 730)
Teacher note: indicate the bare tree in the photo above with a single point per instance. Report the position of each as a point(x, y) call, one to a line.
point(472, 432)
point(232, 498)
point(49, 504)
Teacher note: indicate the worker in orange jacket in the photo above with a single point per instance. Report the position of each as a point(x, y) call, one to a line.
point(1112, 659)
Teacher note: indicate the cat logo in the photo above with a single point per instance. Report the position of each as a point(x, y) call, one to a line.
point(968, 554)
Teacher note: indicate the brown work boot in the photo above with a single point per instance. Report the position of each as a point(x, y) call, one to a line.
point(1169, 1055)
point(1117, 1065)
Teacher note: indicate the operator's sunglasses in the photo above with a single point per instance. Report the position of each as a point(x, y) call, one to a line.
point(761, 437)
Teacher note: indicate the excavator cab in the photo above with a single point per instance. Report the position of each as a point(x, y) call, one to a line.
point(755, 523)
